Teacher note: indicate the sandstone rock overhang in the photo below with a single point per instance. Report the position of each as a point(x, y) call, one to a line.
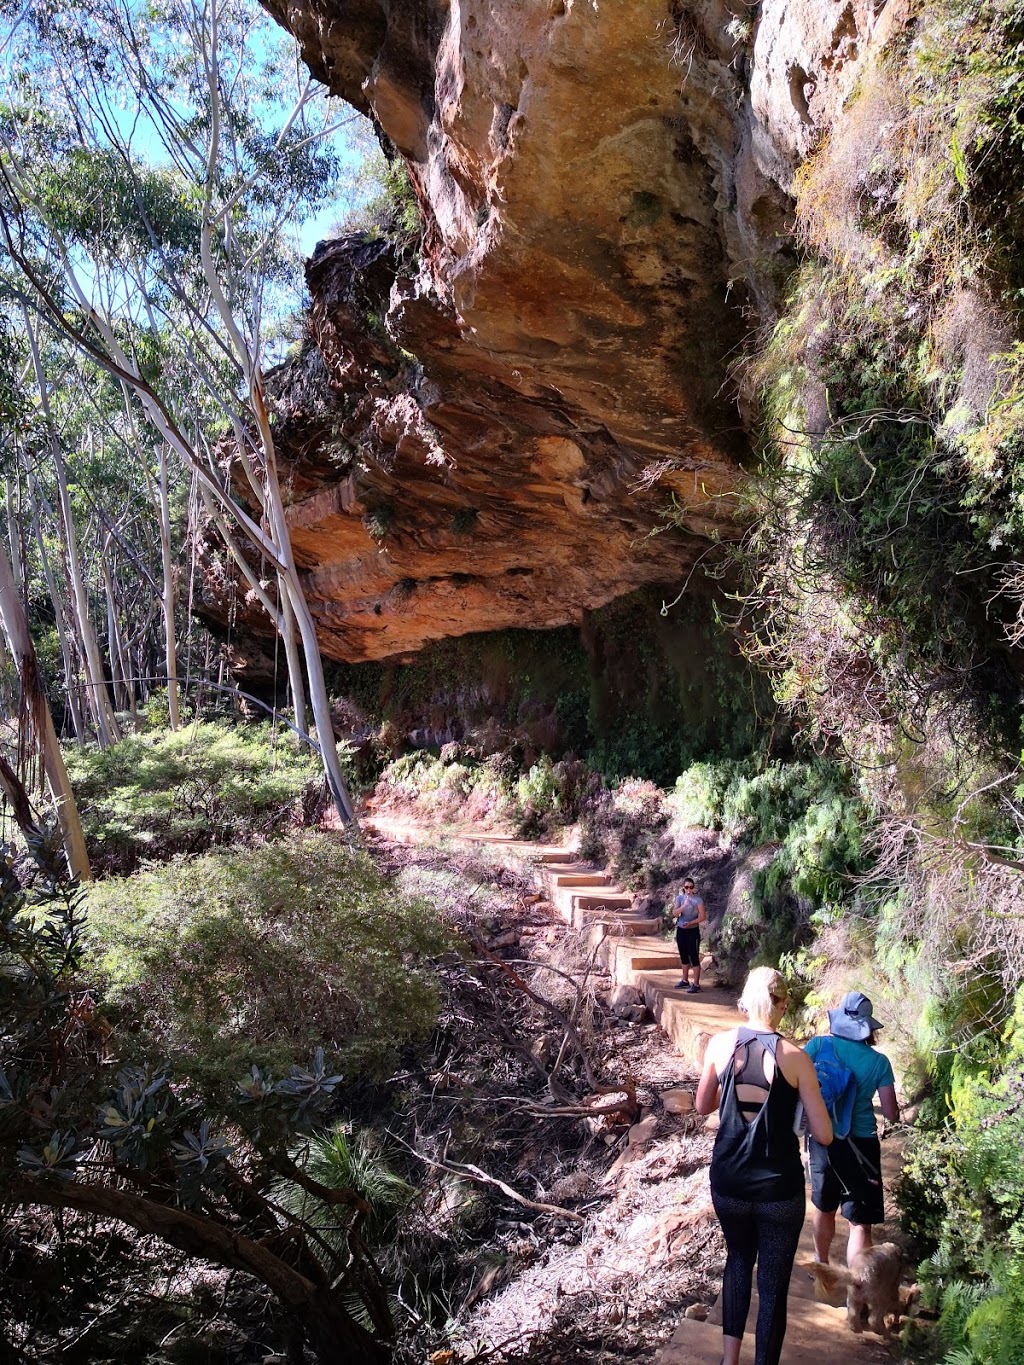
point(489, 436)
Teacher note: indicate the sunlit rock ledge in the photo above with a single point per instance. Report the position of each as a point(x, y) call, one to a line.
point(488, 434)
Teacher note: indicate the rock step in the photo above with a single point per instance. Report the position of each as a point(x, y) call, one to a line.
point(551, 857)
point(603, 898)
point(560, 880)
point(617, 924)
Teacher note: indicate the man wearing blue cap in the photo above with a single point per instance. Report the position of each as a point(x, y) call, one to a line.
point(849, 1173)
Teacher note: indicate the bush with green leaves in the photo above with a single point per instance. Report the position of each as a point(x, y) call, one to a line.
point(343, 1159)
point(246, 958)
point(809, 809)
point(455, 783)
point(93, 1130)
point(962, 1198)
point(549, 794)
point(624, 828)
point(182, 791)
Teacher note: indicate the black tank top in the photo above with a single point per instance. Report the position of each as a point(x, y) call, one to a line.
point(759, 1160)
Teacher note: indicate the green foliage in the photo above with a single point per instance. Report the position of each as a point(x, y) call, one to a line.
point(379, 520)
point(454, 783)
point(550, 794)
point(884, 591)
point(624, 829)
point(962, 1198)
point(388, 206)
point(811, 823)
point(771, 802)
point(345, 1160)
point(93, 196)
point(89, 1123)
point(157, 794)
point(249, 957)
point(457, 784)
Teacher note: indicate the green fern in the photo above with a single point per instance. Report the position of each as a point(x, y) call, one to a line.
point(342, 1160)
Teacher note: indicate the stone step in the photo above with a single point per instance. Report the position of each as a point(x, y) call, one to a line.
point(617, 955)
point(620, 924)
point(583, 912)
point(609, 898)
point(650, 960)
point(689, 1020)
point(571, 879)
point(545, 874)
point(644, 925)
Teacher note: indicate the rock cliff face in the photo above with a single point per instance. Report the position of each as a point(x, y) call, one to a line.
point(487, 436)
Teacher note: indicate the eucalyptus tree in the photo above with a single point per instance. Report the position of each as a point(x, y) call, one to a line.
point(149, 167)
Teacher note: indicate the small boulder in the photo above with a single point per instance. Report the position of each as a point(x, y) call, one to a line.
point(697, 1311)
point(677, 1101)
point(631, 1014)
point(509, 939)
point(641, 1133)
point(621, 994)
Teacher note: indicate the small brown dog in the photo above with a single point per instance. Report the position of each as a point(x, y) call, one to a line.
point(872, 1282)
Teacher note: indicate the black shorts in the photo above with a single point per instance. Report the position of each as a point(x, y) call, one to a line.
point(688, 943)
point(840, 1180)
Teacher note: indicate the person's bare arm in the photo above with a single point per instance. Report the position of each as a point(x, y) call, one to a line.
point(818, 1120)
point(702, 914)
point(888, 1103)
point(707, 1089)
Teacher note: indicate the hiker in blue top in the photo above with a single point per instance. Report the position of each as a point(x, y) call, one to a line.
point(849, 1173)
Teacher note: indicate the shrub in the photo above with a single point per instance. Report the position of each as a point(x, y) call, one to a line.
point(453, 783)
point(344, 1160)
point(93, 1134)
point(550, 794)
point(256, 956)
point(624, 829)
point(158, 794)
point(962, 1197)
point(458, 784)
point(811, 824)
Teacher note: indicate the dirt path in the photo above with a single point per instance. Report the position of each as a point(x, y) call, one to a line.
point(644, 969)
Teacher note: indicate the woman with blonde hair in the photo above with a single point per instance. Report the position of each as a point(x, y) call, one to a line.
point(758, 1080)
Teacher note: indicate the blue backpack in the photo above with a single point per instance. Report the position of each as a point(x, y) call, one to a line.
point(838, 1087)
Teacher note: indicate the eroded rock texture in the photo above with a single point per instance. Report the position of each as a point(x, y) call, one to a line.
point(488, 437)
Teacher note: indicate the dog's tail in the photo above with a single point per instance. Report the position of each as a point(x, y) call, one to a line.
point(830, 1281)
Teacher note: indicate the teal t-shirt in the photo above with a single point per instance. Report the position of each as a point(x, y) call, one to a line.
point(872, 1070)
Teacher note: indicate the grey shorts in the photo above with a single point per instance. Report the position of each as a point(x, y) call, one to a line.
point(840, 1181)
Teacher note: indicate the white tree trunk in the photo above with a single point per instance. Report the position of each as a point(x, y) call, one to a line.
point(120, 664)
point(99, 701)
point(16, 627)
point(170, 640)
point(59, 607)
point(295, 681)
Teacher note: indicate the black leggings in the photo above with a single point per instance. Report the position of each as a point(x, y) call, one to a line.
point(768, 1233)
point(688, 943)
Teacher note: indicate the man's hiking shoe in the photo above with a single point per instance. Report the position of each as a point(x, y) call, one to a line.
point(693, 990)
point(682, 986)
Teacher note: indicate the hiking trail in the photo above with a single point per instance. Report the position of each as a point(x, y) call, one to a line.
point(630, 946)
